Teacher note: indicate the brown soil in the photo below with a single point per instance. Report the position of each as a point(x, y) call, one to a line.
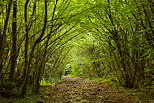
point(78, 90)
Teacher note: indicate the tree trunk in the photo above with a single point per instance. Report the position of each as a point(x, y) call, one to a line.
point(24, 85)
point(14, 38)
point(3, 34)
point(37, 84)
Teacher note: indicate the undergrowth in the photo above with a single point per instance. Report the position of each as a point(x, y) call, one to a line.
point(29, 98)
point(138, 95)
point(51, 81)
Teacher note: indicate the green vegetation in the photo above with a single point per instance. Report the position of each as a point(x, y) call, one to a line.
point(103, 40)
point(29, 98)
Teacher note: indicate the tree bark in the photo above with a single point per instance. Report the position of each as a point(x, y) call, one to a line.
point(37, 84)
point(14, 38)
point(24, 85)
point(2, 35)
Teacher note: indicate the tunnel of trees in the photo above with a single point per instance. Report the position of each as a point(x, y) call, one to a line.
point(42, 39)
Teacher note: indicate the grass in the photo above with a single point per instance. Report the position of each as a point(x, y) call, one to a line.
point(29, 98)
point(26, 99)
point(51, 81)
point(46, 83)
point(140, 95)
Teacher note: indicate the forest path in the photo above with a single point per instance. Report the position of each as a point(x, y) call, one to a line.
point(78, 90)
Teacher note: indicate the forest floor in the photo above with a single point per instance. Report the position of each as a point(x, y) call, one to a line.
point(78, 90)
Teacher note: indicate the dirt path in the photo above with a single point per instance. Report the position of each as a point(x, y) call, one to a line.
point(77, 90)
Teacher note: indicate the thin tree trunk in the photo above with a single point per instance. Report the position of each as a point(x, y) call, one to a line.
point(14, 38)
point(2, 35)
point(24, 85)
point(37, 84)
point(28, 63)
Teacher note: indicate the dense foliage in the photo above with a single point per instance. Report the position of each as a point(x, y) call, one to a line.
point(39, 39)
point(124, 31)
